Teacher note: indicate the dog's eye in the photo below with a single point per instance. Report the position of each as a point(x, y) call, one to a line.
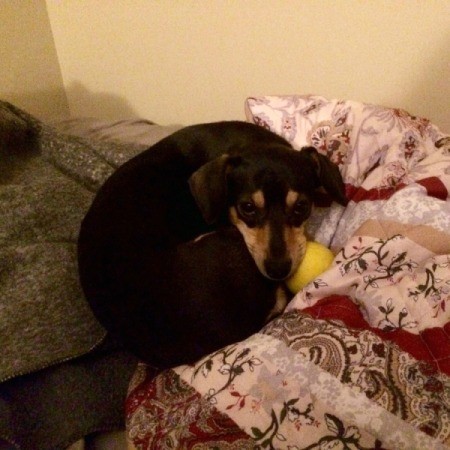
point(247, 209)
point(300, 208)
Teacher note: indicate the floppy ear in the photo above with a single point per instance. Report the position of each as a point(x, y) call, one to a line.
point(209, 186)
point(328, 174)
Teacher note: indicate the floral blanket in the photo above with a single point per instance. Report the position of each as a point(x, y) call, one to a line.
point(361, 357)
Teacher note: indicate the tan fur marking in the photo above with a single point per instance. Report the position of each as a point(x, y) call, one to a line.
point(258, 198)
point(281, 300)
point(291, 198)
point(256, 239)
point(295, 244)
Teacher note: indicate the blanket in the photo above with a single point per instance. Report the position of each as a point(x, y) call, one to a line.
point(54, 407)
point(60, 378)
point(361, 357)
point(47, 185)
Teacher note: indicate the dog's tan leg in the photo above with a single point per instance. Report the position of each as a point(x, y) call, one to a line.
point(281, 301)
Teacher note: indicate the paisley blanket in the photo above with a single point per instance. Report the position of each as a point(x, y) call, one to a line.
point(361, 357)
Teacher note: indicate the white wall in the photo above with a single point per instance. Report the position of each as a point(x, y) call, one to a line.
point(29, 68)
point(189, 61)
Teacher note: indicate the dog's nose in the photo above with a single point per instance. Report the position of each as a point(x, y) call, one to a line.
point(278, 269)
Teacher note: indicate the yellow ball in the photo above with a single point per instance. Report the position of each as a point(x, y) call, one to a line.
point(318, 258)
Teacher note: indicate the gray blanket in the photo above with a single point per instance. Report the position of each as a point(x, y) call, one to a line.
point(54, 407)
point(47, 182)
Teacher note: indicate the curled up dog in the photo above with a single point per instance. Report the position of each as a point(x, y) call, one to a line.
point(170, 296)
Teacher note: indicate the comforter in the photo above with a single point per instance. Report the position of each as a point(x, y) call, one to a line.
point(361, 357)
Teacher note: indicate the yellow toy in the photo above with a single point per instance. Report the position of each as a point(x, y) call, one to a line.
point(318, 258)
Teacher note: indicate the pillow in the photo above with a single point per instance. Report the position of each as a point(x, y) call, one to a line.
point(136, 131)
point(334, 127)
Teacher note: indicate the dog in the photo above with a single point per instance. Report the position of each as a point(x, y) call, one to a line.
point(185, 247)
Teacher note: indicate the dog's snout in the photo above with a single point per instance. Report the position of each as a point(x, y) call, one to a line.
point(278, 269)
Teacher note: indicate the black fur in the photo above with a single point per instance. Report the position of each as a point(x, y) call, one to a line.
point(172, 300)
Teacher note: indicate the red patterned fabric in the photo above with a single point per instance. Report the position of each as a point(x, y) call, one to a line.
point(361, 357)
point(431, 346)
point(190, 419)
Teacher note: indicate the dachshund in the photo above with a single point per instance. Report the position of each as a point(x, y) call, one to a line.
point(185, 247)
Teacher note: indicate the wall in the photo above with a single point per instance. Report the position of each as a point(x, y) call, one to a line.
point(29, 69)
point(189, 61)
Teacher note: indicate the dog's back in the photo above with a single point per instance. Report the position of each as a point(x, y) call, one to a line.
point(170, 300)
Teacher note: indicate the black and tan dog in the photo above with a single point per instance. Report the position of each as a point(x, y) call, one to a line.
point(170, 296)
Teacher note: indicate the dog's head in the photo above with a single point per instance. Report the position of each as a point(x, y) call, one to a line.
point(266, 192)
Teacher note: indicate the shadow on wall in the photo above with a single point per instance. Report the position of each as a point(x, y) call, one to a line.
point(101, 105)
point(45, 105)
point(18, 144)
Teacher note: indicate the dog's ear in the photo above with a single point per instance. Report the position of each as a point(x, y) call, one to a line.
point(328, 174)
point(209, 186)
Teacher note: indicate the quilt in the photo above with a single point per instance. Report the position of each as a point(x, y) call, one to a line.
point(360, 359)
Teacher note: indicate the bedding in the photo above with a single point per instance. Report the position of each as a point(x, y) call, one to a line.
point(61, 377)
point(360, 359)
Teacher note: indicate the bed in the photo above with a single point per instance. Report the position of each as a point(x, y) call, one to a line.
point(360, 359)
